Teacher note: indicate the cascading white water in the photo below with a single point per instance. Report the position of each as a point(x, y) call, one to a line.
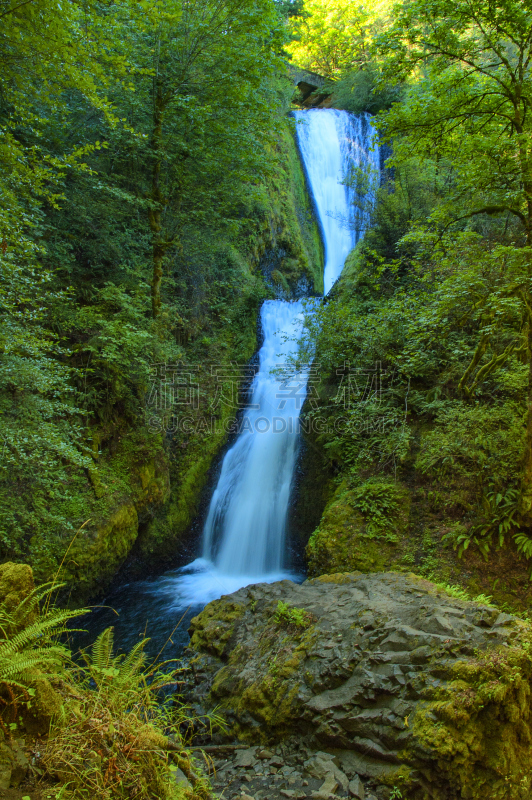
point(333, 144)
point(245, 528)
point(244, 534)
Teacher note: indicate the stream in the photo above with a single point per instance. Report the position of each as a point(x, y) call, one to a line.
point(245, 533)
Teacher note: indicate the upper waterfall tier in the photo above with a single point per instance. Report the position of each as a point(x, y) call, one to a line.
point(333, 145)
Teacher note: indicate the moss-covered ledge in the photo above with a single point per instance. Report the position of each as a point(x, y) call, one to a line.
point(130, 478)
point(362, 528)
point(409, 686)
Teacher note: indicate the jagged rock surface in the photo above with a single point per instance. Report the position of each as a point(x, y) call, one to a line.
point(407, 686)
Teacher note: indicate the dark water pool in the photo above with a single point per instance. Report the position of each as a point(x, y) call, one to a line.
point(161, 608)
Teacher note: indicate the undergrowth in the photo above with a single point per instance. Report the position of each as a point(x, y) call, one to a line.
point(116, 729)
point(121, 740)
point(461, 594)
point(379, 503)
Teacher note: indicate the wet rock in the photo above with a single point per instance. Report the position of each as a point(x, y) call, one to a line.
point(287, 771)
point(389, 672)
point(265, 754)
point(323, 764)
point(328, 788)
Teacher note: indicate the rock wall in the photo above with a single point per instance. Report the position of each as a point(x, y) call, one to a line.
point(407, 686)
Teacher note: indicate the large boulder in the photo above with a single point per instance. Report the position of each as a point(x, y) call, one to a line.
point(408, 686)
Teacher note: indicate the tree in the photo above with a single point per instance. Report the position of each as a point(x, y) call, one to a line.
point(470, 104)
point(290, 8)
point(210, 67)
point(333, 36)
point(134, 136)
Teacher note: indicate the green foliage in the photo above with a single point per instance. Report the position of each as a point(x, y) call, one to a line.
point(379, 503)
point(290, 8)
point(360, 92)
point(32, 651)
point(499, 518)
point(113, 742)
point(290, 615)
point(468, 104)
point(396, 794)
point(434, 341)
point(110, 739)
point(461, 594)
point(120, 679)
point(93, 184)
point(332, 37)
point(432, 316)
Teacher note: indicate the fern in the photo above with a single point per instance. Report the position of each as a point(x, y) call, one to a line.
point(123, 679)
point(32, 651)
point(500, 512)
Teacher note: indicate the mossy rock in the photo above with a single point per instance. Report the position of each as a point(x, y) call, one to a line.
point(346, 540)
point(211, 630)
point(101, 547)
point(16, 584)
point(46, 705)
point(409, 686)
point(130, 478)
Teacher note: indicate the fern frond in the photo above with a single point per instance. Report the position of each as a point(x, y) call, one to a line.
point(102, 650)
point(33, 650)
point(47, 659)
point(40, 631)
point(135, 660)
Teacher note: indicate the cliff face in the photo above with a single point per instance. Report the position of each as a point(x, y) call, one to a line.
point(404, 685)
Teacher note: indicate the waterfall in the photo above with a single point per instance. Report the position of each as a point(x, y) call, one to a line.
point(333, 144)
point(245, 529)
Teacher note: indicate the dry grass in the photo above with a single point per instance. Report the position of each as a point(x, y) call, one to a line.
point(95, 754)
point(118, 739)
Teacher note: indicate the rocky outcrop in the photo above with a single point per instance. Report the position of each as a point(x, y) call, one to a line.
point(349, 537)
point(406, 686)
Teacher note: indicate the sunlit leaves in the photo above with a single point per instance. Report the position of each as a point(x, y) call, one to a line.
point(332, 36)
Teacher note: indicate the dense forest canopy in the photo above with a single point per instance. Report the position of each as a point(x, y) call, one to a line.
point(134, 139)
